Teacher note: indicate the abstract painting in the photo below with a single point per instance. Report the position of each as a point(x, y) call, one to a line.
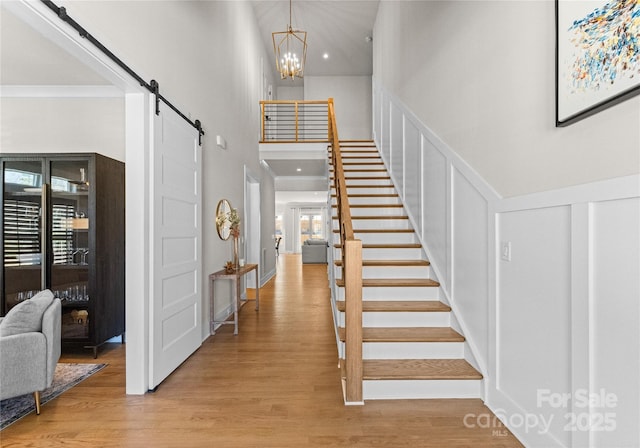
point(597, 56)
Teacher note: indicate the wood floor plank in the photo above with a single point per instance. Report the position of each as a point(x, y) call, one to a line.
point(275, 384)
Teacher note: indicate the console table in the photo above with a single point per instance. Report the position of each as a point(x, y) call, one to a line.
point(235, 275)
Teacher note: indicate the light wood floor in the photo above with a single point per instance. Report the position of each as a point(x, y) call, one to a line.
point(276, 384)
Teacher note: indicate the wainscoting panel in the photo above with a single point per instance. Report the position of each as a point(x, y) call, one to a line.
point(413, 172)
point(435, 211)
point(614, 344)
point(534, 310)
point(470, 252)
point(397, 148)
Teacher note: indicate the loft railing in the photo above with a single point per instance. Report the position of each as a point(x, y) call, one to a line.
point(294, 121)
point(351, 272)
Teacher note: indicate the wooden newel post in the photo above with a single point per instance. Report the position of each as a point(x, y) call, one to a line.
point(353, 320)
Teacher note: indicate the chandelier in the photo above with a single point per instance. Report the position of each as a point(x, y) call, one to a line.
point(290, 48)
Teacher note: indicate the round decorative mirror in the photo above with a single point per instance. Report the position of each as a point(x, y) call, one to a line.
point(222, 223)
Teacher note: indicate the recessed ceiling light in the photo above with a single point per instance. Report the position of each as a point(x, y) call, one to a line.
point(298, 169)
point(326, 55)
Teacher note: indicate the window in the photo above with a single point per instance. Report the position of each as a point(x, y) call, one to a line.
point(21, 233)
point(311, 225)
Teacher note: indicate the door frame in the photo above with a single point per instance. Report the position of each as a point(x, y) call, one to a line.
point(138, 111)
point(252, 246)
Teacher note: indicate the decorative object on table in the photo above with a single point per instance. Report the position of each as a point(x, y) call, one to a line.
point(65, 377)
point(229, 267)
point(597, 57)
point(228, 224)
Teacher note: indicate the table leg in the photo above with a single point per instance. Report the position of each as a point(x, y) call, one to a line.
point(211, 308)
point(237, 300)
point(257, 291)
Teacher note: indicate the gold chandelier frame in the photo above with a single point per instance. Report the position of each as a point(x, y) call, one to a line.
point(290, 50)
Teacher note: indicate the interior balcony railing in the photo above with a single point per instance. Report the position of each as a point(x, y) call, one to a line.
point(312, 122)
point(294, 121)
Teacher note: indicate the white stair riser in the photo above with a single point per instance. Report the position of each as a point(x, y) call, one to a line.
point(355, 182)
point(401, 319)
point(385, 254)
point(390, 271)
point(412, 350)
point(415, 389)
point(387, 238)
point(378, 224)
point(375, 211)
point(356, 175)
point(360, 189)
point(361, 168)
point(406, 293)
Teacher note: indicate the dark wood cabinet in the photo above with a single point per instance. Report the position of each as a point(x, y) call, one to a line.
point(63, 224)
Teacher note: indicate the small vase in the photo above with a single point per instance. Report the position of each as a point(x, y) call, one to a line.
point(236, 262)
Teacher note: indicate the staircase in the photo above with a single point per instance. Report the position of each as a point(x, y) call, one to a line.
point(409, 348)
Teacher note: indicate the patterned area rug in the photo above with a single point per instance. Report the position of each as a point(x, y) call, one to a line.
point(65, 377)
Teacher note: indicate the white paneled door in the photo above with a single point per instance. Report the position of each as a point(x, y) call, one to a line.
point(176, 292)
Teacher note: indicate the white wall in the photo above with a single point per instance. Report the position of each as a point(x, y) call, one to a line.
point(562, 316)
point(352, 101)
point(287, 93)
point(482, 78)
point(181, 45)
point(55, 125)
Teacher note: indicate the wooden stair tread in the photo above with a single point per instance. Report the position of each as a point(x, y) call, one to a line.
point(375, 195)
point(390, 263)
point(372, 206)
point(378, 217)
point(394, 282)
point(363, 151)
point(419, 369)
point(386, 246)
point(407, 334)
point(369, 186)
point(378, 230)
point(362, 170)
point(421, 306)
point(363, 178)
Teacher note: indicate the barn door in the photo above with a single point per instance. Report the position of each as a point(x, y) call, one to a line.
point(176, 260)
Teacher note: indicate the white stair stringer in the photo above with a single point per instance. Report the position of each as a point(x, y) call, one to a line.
point(396, 256)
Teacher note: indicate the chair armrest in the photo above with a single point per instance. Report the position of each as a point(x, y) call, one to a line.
point(52, 330)
point(22, 369)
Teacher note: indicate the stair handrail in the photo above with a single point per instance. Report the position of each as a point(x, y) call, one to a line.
point(351, 271)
